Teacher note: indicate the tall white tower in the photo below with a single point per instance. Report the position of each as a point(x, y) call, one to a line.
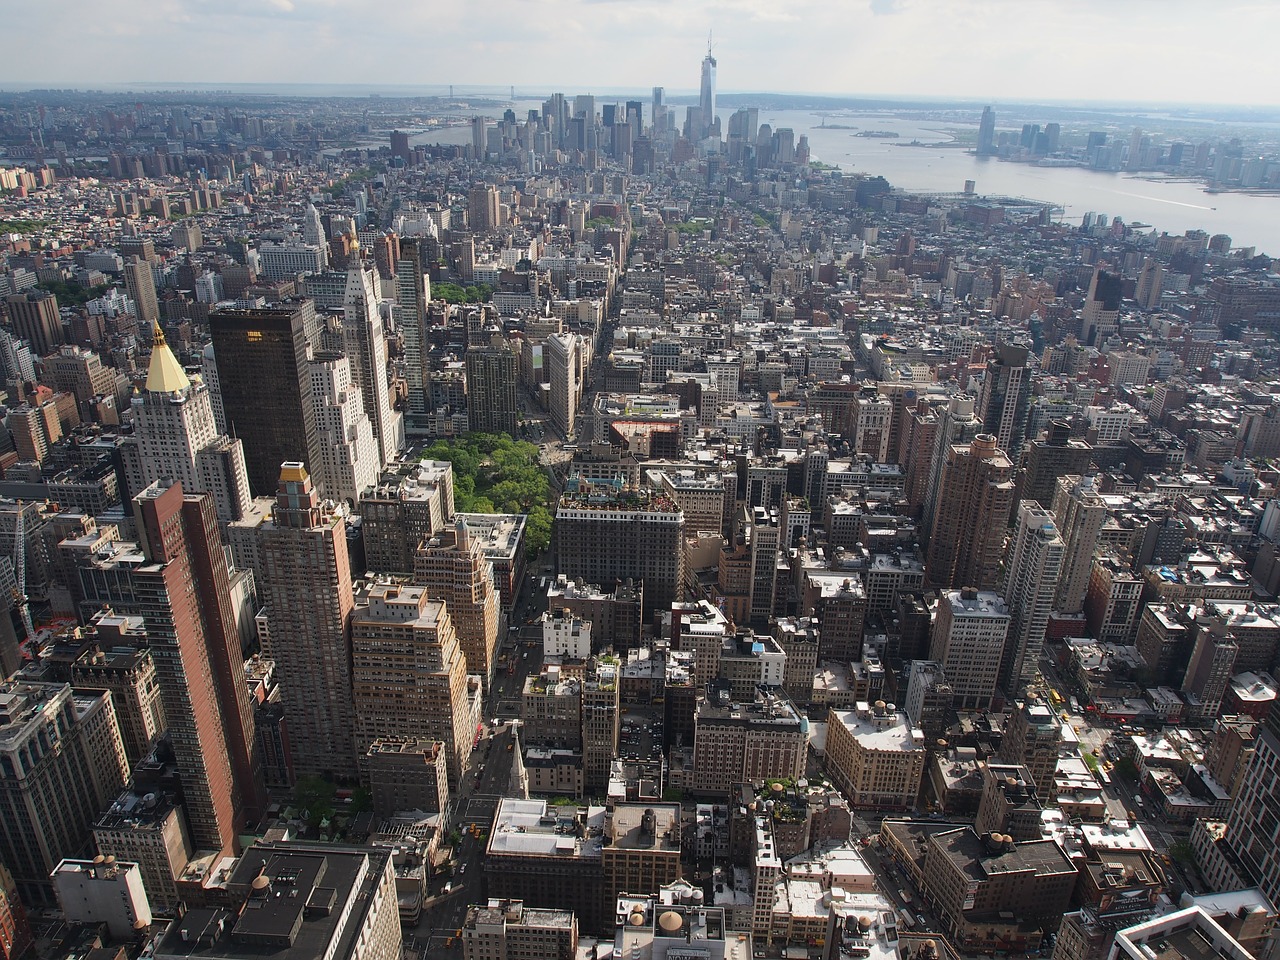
point(366, 345)
point(176, 437)
point(349, 460)
point(707, 92)
point(1032, 569)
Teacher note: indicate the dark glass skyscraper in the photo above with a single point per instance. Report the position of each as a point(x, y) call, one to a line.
point(266, 387)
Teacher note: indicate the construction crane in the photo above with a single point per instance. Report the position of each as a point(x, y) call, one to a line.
point(20, 573)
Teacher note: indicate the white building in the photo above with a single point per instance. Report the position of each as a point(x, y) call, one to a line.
point(349, 461)
point(103, 890)
point(1033, 564)
point(284, 261)
point(366, 346)
point(969, 634)
point(564, 635)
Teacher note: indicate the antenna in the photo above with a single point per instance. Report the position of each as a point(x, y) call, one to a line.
point(708, 43)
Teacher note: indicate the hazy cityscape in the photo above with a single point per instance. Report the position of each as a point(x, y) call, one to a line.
point(521, 523)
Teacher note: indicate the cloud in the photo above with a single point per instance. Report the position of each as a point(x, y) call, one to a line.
point(883, 8)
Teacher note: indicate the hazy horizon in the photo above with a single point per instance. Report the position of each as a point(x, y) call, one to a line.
point(1113, 52)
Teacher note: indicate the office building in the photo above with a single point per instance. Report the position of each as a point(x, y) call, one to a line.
point(296, 901)
point(102, 891)
point(306, 590)
point(930, 698)
point(129, 672)
point(406, 507)
point(141, 284)
point(285, 261)
point(1031, 739)
point(875, 756)
point(1009, 803)
point(147, 827)
point(409, 675)
point(1032, 570)
point(707, 97)
point(987, 133)
point(956, 423)
point(412, 294)
point(604, 535)
point(1055, 455)
point(35, 319)
point(975, 494)
point(1005, 398)
point(969, 633)
point(1079, 513)
point(265, 386)
point(766, 738)
point(61, 763)
point(407, 774)
point(508, 930)
point(365, 344)
point(1189, 932)
point(549, 857)
point(16, 937)
point(483, 208)
point(641, 851)
point(491, 391)
point(183, 594)
point(176, 437)
point(601, 723)
point(349, 461)
point(453, 567)
point(566, 359)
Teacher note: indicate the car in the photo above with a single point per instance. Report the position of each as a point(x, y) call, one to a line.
point(448, 886)
point(462, 869)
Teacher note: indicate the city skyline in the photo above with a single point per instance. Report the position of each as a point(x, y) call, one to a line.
point(965, 48)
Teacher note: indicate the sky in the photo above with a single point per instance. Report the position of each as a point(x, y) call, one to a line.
point(1166, 51)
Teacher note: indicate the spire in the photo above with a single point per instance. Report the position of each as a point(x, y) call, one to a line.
point(165, 374)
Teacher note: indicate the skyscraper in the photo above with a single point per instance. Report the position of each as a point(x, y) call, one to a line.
point(176, 437)
point(184, 596)
point(306, 589)
point(969, 634)
point(349, 460)
point(1079, 511)
point(413, 293)
point(453, 567)
point(565, 358)
point(141, 284)
point(1005, 399)
point(266, 386)
point(491, 391)
point(1031, 582)
point(956, 424)
point(35, 319)
point(707, 93)
point(409, 674)
point(975, 495)
point(366, 346)
point(987, 133)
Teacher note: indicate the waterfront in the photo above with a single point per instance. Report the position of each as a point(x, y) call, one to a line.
point(1167, 205)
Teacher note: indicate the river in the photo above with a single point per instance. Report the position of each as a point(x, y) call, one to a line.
point(1167, 205)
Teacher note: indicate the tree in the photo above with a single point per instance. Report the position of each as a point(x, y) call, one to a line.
point(315, 796)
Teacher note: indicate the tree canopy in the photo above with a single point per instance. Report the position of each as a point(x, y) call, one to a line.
point(453, 293)
point(496, 474)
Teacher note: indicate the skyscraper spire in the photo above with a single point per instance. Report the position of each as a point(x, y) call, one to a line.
point(707, 94)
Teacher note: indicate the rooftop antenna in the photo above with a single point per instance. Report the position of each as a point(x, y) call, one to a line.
point(708, 43)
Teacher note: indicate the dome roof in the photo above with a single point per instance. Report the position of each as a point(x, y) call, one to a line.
point(670, 922)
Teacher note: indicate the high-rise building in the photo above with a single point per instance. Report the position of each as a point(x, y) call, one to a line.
point(1005, 398)
point(565, 358)
point(102, 892)
point(407, 774)
point(987, 133)
point(491, 391)
point(603, 536)
point(266, 387)
point(306, 590)
point(1079, 511)
point(409, 675)
point(61, 764)
point(740, 742)
point(35, 319)
point(707, 94)
point(483, 208)
point(1100, 316)
point(413, 293)
point(407, 507)
point(1150, 284)
point(969, 634)
point(141, 284)
point(1031, 581)
point(479, 136)
point(765, 543)
point(183, 594)
point(875, 756)
point(641, 851)
point(400, 146)
point(1048, 458)
point(366, 346)
point(956, 424)
point(452, 566)
point(975, 494)
point(176, 437)
point(117, 663)
point(601, 718)
point(349, 460)
point(1031, 738)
